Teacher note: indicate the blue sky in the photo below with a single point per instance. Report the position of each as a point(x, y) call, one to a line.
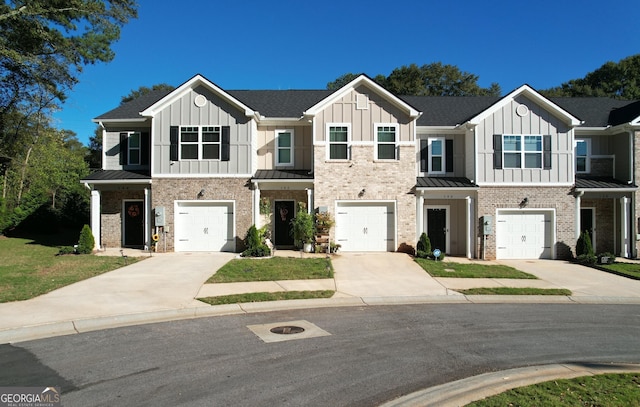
point(287, 44)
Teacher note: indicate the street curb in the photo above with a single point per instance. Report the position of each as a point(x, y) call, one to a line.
point(60, 328)
point(465, 391)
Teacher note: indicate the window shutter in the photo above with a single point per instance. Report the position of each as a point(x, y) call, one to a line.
point(497, 151)
point(448, 150)
point(144, 148)
point(226, 143)
point(173, 137)
point(124, 148)
point(424, 155)
point(546, 152)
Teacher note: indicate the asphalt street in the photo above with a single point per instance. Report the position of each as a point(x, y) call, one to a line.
point(371, 354)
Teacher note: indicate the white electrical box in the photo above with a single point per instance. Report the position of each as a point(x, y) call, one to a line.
point(159, 215)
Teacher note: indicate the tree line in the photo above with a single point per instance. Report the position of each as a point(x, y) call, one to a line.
point(44, 46)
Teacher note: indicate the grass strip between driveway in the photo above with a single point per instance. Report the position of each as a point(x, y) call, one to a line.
point(611, 390)
point(273, 269)
point(29, 269)
point(472, 270)
point(626, 269)
point(263, 296)
point(514, 291)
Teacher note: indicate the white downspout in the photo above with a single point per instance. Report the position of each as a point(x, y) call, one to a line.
point(469, 228)
point(309, 200)
point(624, 227)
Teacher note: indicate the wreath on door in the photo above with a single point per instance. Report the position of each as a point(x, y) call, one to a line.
point(133, 211)
point(283, 213)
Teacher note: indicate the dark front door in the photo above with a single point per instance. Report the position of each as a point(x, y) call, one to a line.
point(437, 228)
point(133, 223)
point(284, 212)
point(586, 223)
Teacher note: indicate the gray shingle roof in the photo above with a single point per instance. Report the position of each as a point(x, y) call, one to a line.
point(436, 110)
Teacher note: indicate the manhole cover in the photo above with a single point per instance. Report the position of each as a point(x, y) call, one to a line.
point(287, 330)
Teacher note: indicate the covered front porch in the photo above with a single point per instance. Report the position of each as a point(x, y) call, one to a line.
point(604, 209)
point(446, 212)
point(276, 198)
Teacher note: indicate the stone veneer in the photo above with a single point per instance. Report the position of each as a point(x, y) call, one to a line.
point(559, 198)
point(168, 190)
point(381, 180)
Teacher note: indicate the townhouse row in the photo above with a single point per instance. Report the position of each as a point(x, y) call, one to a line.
point(517, 176)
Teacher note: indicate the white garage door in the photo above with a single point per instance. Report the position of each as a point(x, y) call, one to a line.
point(203, 226)
point(524, 234)
point(365, 226)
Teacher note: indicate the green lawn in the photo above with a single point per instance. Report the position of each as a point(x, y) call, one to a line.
point(273, 269)
point(258, 297)
point(29, 269)
point(611, 390)
point(627, 269)
point(459, 270)
point(514, 291)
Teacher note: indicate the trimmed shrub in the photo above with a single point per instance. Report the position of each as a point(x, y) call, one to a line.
point(587, 259)
point(254, 245)
point(584, 246)
point(423, 248)
point(66, 250)
point(86, 243)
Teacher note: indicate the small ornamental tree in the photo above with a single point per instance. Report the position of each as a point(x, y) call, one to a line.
point(86, 242)
point(254, 245)
point(584, 245)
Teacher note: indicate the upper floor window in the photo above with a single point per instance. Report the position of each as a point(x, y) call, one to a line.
point(200, 142)
point(583, 153)
point(386, 138)
point(338, 138)
point(436, 155)
point(135, 148)
point(522, 151)
point(284, 147)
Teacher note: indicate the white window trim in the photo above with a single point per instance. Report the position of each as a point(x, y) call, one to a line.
point(328, 141)
point(443, 165)
point(291, 149)
point(200, 143)
point(396, 128)
point(587, 158)
point(523, 152)
point(139, 148)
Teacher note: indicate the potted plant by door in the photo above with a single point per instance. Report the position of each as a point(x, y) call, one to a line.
point(303, 229)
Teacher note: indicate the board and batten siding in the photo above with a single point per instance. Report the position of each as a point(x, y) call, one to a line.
point(538, 121)
point(362, 121)
point(302, 147)
point(111, 146)
point(216, 112)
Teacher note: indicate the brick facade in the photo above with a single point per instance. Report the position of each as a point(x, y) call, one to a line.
point(167, 190)
point(111, 215)
point(559, 198)
point(381, 180)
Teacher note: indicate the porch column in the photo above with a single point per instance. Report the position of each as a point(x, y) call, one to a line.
point(470, 228)
point(309, 200)
point(95, 218)
point(419, 214)
point(256, 205)
point(577, 220)
point(624, 227)
point(147, 219)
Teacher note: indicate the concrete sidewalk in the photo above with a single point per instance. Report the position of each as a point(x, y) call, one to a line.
point(165, 287)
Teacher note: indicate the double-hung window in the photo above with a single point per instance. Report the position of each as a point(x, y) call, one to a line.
point(583, 164)
point(134, 147)
point(200, 142)
point(338, 139)
point(284, 147)
point(386, 139)
point(522, 151)
point(436, 155)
